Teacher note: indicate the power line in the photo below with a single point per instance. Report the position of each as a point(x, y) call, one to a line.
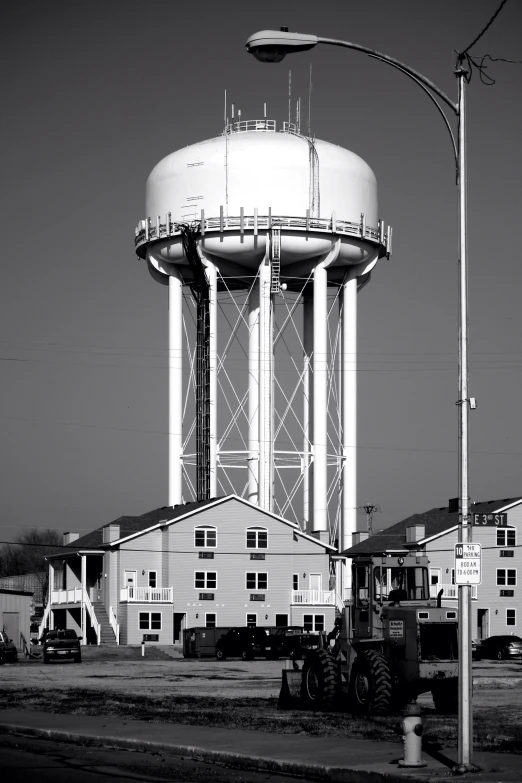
point(479, 36)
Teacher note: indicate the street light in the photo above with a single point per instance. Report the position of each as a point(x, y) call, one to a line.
point(273, 46)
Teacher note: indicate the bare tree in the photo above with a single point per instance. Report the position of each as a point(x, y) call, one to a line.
point(27, 554)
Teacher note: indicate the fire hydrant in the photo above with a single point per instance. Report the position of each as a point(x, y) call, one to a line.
point(411, 727)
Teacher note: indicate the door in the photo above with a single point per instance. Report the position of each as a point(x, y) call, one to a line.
point(434, 582)
point(130, 578)
point(281, 620)
point(482, 623)
point(12, 626)
point(316, 587)
point(179, 625)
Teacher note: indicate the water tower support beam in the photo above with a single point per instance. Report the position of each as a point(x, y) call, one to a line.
point(308, 413)
point(320, 403)
point(265, 385)
point(349, 411)
point(253, 393)
point(211, 273)
point(175, 386)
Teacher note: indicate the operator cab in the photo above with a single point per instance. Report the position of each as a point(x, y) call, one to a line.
point(385, 581)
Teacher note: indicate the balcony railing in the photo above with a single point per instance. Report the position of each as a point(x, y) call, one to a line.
point(313, 597)
point(147, 595)
point(450, 591)
point(73, 596)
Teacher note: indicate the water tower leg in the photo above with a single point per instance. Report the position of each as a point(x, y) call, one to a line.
point(308, 413)
point(212, 348)
point(253, 394)
point(265, 387)
point(349, 414)
point(175, 387)
point(320, 404)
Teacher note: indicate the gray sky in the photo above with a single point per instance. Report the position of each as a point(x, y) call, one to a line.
point(95, 93)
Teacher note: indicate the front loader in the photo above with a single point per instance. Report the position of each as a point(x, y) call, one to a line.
point(391, 643)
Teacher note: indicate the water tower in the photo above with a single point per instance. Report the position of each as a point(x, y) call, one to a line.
point(264, 237)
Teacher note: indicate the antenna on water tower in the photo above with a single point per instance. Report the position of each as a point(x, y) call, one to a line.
point(289, 97)
point(310, 103)
point(369, 510)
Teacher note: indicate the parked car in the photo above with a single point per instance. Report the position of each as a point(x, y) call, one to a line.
point(61, 644)
point(293, 642)
point(8, 651)
point(245, 643)
point(499, 647)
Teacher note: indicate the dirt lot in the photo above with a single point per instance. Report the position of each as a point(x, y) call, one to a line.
point(160, 688)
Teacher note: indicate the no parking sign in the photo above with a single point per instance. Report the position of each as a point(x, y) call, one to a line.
point(468, 569)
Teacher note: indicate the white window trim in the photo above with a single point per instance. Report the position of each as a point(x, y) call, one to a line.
point(505, 531)
point(205, 528)
point(506, 583)
point(150, 621)
point(152, 571)
point(257, 573)
point(257, 530)
point(206, 579)
point(214, 615)
point(511, 609)
point(314, 616)
point(293, 578)
point(250, 614)
point(435, 572)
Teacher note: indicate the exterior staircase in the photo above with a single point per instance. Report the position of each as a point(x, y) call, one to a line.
point(107, 636)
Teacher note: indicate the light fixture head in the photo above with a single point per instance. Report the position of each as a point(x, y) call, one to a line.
point(272, 46)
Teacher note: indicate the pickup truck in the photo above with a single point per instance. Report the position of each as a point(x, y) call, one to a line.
point(245, 643)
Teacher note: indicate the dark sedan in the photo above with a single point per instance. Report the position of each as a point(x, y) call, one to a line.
point(500, 647)
point(8, 651)
point(61, 644)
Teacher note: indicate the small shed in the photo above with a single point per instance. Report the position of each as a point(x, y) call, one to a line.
point(15, 616)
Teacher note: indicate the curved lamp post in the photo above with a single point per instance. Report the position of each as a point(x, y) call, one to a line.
point(273, 46)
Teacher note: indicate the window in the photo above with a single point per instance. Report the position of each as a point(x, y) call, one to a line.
point(452, 576)
point(434, 576)
point(205, 536)
point(313, 622)
point(506, 576)
point(153, 578)
point(281, 620)
point(150, 621)
point(296, 582)
point(251, 620)
point(206, 580)
point(256, 581)
point(511, 616)
point(210, 620)
point(507, 537)
point(257, 538)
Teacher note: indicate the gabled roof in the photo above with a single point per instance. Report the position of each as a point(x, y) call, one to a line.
point(437, 522)
point(131, 527)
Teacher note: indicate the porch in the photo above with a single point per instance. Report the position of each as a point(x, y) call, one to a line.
point(147, 595)
point(313, 597)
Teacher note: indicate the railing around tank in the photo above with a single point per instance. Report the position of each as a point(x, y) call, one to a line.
point(251, 125)
point(146, 231)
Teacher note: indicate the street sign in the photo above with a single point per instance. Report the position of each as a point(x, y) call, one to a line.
point(468, 569)
point(490, 520)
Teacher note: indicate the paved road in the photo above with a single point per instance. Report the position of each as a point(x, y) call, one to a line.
point(25, 759)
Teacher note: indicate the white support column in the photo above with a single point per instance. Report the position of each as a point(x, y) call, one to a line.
point(320, 401)
point(349, 414)
point(175, 387)
point(253, 394)
point(212, 281)
point(265, 386)
point(308, 412)
point(84, 590)
point(51, 588)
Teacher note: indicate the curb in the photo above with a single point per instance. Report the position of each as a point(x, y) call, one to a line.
point(236, 760)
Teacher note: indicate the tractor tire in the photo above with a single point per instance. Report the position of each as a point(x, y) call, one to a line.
point(446, 697)
point(320, 681)
point(371, 684)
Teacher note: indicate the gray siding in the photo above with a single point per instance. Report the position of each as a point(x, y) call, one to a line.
point(441, 555)
point(18, 604)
